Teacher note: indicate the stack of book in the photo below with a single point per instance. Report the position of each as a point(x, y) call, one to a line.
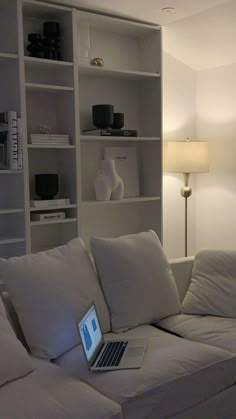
point(11, 141)
point(49, 139)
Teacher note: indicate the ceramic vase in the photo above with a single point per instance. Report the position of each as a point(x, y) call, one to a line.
point(108, 184)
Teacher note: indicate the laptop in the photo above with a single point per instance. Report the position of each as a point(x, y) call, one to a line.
point(104, 355)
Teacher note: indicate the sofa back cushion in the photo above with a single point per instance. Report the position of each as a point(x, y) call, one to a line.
point(136, 279)
point(50, 292)
point(212, 289)
point(14, 360)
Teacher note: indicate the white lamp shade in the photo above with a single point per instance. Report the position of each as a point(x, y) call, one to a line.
point(187, 157)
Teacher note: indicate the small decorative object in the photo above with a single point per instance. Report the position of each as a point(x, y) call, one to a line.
point(84, 45)
point(51, 41)
point(119, 120)
point(103, 116)
point(108, 185)
point(46, 185)
point(35, 47)
point(127, 167)
point(97, 62)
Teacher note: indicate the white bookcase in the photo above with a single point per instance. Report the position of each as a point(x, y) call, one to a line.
point(60, 94)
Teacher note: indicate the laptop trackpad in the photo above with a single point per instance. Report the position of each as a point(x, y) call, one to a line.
point(134, 351)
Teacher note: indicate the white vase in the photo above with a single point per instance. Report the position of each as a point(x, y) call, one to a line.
point(108, 184)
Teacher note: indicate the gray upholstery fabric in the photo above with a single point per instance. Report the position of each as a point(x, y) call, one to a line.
point(176, 375)
point(14, 360)
point(213, 286)
point(48, 393)
point(136, 279)
point(50, 292)
point(212, 330)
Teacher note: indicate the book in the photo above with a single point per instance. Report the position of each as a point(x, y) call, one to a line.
point(20, 144)
point(8, 124)
point(44, 203)
point(112, 132)
point(59, 215)
point(49, 139)
point(127, 167)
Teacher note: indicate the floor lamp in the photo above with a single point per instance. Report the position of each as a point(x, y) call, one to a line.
point(187, 157)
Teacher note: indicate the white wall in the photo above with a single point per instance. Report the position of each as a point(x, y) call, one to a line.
point(179, 119)
point(216, 123)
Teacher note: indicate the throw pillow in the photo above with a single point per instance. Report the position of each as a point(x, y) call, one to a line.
point(50, 292)
point(136, 279)
point(14, 360)
point(212, 289)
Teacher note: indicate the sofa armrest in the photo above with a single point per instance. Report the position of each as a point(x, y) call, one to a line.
point(182, 270)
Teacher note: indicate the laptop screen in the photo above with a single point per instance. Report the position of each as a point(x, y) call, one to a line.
point(90, 332)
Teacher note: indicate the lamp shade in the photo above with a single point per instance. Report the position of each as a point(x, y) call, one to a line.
point(187, 157)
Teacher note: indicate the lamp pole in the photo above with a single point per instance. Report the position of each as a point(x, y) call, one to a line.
point(186, 192)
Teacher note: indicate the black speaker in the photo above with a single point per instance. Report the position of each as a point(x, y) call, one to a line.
point(46, 185)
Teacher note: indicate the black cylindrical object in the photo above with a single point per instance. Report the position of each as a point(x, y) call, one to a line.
point(119, 120)
point(51, 29)
point(103, 116)
point(46, 185)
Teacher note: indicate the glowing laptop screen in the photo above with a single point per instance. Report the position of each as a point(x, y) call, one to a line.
point(90, 332)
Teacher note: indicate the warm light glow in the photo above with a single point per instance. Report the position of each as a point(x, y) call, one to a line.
point(187, 157)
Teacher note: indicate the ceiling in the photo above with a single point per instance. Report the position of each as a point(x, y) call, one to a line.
point(205, 40)
point(146, 10)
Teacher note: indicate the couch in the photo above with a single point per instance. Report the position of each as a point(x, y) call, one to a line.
point(184, 375)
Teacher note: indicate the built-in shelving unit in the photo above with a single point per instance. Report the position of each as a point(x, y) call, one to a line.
point(58, 96)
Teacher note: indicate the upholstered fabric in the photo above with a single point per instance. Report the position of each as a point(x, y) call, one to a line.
point(50, 292)
point(215, 331)
point(136, 279)
point(176, 375)
point(14, 360)
point(48, 393)
point(213, 286)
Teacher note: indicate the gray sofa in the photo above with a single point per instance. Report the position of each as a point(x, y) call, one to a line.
point(180, 378)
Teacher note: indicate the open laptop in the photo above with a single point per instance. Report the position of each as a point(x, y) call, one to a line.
point(109, 355)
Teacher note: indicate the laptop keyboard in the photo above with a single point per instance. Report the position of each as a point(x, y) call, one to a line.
point(112, 354)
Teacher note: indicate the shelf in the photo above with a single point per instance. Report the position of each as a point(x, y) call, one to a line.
point(43, 63)
point(55, 207)
point(117, 24)
point(45, 11)
point(124, 201)
point(89, 70)
point(11, 211)
point(11, 172)
point(90, 138)
point(4, 56)
point(10, 240)
point(48, 87)
point(62, 221)
point(51, 146)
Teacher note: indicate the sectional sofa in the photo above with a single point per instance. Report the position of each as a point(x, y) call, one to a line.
point(189, 369)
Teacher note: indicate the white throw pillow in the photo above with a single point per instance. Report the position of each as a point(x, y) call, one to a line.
point(213, 285)
point(136, 279)
point(14, 360)
point(50, 292)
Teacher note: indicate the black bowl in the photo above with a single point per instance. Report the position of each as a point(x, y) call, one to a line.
point(46, 185)
point(119, 120)
point(103, 116)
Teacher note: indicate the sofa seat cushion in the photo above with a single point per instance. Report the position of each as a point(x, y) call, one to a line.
point(50, 291)
point(212, 330)
point(48, 393)
point(176, 375)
